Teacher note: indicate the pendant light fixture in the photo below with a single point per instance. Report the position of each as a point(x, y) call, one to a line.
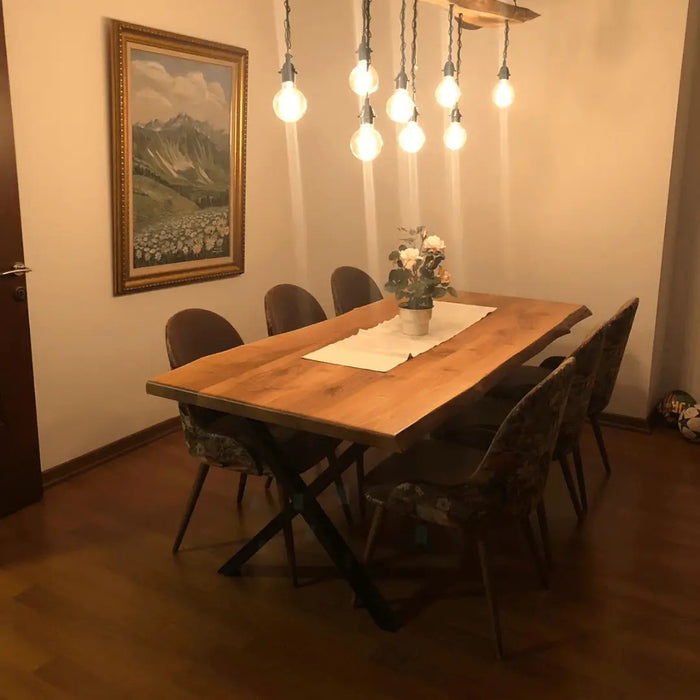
point(412, 136)
point(456, 135)
point(289, 103)
point(503, 93)
point(366, 143)
point(400, 106)
point(447, 92)
point(363, 78)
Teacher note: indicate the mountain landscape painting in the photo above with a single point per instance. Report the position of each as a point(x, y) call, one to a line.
point(183, 133)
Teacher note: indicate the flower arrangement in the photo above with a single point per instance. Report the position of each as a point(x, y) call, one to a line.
point(418, 276)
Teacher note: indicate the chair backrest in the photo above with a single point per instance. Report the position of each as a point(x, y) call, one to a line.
point(617, 333)
point(351, 288)
point(288, 307)
point(514, 470)
point(194, 333)
point(587, 357)
point(189, 335)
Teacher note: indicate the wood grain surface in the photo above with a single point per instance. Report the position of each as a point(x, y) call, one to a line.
point(269, 380)
point(487, 13)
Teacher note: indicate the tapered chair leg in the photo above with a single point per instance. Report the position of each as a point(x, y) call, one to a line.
point(529, 534)
point(601, 443)
point(374, 531)
point(544, 532)
point(242, 480)
point(580, 477)
point(268, 483)
point(191, 503)
point(288, 536)
point(569, 479)
point(490, 595)
point(361, 501)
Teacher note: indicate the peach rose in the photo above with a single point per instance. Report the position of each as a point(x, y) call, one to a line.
point(409, 257)
point(434, 243)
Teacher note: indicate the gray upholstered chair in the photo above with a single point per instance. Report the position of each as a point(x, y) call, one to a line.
point(226, 441)
point(288, 308)
point(351, 288)
point(448, 484)
point(477, 425)
point(617, 333)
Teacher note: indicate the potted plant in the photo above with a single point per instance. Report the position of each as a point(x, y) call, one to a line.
point(417, 278)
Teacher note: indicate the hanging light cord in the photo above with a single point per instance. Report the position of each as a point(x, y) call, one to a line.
point(459, 47)
point(287, 28)
point(403, 38)
point(449, 42)
point(506, 42)
point(414, 27)
point(367, 31)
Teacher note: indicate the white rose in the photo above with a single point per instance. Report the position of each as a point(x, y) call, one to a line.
point(434, 243)
point(409, 257)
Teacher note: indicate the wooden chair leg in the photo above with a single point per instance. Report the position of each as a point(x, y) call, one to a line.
point(288, 536)
point(529, 533)
point(374, 531)
point(544, 532)
point(601, 443)
point(569, 479)
point(342, 496)
point(361, 502)
point(580, 477)
point(490, 595)
point(191, 503)
point(242, 480)
point(268, 483)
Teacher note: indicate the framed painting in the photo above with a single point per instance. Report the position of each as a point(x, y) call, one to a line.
point(179, 134)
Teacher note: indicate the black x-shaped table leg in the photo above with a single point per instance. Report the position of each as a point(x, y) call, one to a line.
point(304, 503)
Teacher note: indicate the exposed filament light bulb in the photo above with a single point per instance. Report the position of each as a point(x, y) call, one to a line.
point(364, 79)
point(366, 143)
point(455, 135)
point(448, 91)
point(289, 103)
point(400, 105)
point(412, 136)
point(503, 93)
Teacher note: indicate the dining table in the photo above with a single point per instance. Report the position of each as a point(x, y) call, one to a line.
point(270, 382)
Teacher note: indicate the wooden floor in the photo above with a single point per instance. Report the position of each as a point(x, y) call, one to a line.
point(93, 605)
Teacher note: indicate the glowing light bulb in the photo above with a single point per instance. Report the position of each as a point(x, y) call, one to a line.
point(400, 106)
point(366, 143)
point(364, 79)
point(412, 137)
point(503, 94)
point(289, 103)
point(455, 136)
point(448, 92)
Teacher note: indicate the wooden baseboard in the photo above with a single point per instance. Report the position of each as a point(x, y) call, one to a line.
point(88, 461)
point(637, 425)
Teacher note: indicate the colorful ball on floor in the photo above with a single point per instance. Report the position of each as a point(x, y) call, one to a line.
point(673, 404)
point(689, 423)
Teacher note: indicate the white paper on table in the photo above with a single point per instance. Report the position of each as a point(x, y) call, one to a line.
point(384, 347)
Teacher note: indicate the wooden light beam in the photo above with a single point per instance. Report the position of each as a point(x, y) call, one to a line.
point(486, 13)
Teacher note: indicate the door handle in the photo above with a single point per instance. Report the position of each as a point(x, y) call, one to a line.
point(18, 269)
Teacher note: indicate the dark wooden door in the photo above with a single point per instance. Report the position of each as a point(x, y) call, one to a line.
point(20, 471)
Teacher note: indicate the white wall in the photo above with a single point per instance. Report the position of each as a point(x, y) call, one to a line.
point(93, 352)
point(566, 201)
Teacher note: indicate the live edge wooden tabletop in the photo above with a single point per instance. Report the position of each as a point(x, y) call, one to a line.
point(270, 381)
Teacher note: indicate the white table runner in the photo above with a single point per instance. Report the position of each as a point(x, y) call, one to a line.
point(383, 347)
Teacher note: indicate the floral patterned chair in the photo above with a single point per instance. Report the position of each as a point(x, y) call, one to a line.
point(288, 308)
point(226, 441)
point(448, 484)
point(477, 425)
point(351, 288)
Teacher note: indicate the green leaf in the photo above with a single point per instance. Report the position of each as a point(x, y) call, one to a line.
point(439, 292)
point(394, 255)
point(452, 291)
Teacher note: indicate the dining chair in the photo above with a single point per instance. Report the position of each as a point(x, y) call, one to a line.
point(478, 424)
point(474, 490)
point(352, 287)
point(226, 441)
point(288, 308)
point(617, 333)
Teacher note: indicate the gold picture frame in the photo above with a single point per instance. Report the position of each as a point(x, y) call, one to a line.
point(179, 135)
